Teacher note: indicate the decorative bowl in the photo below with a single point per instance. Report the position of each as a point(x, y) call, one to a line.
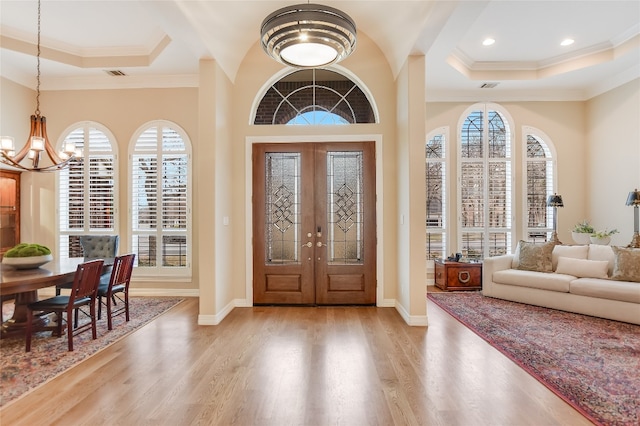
point(601, 241)
point(30, 262)
point(581, 237)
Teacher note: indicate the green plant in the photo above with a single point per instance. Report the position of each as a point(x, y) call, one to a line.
point(27, 250)
point(583, 227)
point(605, 233)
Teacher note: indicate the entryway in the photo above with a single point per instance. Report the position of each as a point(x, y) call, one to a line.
point(314, 223)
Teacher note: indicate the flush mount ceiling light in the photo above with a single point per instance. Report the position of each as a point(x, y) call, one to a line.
point(308, 35)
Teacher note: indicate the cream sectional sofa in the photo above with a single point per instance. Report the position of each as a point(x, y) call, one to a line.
point(591, 279)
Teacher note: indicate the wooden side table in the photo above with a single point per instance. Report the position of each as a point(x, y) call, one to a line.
point(458, 275)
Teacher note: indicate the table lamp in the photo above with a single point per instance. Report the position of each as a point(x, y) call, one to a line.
point(555, 201)
point(633, 199)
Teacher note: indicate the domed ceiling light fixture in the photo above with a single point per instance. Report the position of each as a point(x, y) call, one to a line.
point(28, 159)
point(308, 35)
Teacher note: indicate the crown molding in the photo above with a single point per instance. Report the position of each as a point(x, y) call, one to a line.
point(107, 57)
point(536, 70)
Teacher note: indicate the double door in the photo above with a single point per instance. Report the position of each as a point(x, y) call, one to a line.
point(314, 223)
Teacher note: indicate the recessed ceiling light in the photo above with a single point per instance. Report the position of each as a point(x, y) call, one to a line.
point(488, 42)
point(567, 42)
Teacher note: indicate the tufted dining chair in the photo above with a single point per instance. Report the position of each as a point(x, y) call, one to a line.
point(97, 247)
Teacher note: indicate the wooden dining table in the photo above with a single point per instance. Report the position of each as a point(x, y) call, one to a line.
point(25, 283)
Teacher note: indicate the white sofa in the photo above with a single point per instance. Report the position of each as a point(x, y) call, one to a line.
point(579, 281)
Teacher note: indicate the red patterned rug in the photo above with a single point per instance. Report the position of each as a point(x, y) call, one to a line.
point(20, 372)
point(591, 363)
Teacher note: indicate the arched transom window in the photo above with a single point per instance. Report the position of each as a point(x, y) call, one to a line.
point(314, 97)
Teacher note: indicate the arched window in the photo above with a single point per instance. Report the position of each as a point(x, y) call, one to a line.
point(539, 181)
point(314, 97)
point(486, 184)
point(435, 184)
point(87, 190)
point(161, 200)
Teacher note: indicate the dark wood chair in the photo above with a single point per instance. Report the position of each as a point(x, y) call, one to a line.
point(117, 287)
point(83, 293)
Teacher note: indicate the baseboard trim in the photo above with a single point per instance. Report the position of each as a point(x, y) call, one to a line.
point(168, 292)
point(412, 320)
point(217, 318)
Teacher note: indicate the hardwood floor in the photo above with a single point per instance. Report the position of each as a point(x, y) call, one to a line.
point(295, 366)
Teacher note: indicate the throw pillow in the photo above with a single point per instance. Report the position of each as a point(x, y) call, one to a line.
point(626, 266)
point(600, 252)
point(582, 268)
point(575, 252)
point(535, 257)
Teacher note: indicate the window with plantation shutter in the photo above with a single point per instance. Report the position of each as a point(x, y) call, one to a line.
point(485, 183)
point(435, 150)
point(87, 190)
point(160, 200)
point(540, 169)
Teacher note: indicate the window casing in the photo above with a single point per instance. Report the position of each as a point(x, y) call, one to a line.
point(435, 184)
point(161, 200)
point(87, 189)
point(485, 183)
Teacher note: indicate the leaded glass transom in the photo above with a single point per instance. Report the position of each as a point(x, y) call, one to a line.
point(314, 97)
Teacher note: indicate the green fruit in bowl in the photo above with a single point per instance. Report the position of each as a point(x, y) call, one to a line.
point(27, 250)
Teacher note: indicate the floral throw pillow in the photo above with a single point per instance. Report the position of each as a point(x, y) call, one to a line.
point(535, 257)
point(626, 265)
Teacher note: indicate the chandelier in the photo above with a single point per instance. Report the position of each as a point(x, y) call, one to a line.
point(308, 35)
point(37, 154)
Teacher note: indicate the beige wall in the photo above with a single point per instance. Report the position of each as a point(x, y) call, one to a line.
point(613, 158)
point(411, 301)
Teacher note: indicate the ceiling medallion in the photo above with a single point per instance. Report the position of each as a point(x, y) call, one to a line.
point(308, 35)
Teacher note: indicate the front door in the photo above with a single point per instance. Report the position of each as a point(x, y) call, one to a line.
point(314, 223)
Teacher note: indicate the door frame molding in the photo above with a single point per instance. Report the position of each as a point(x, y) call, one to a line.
point(377, 139)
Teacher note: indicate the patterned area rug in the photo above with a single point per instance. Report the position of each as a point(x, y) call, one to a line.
point(20, 372)
point(591, 363)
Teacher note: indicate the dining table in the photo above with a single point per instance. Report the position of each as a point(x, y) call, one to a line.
point(24, 285)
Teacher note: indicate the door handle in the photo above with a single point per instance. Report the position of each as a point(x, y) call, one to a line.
point(308, 244)
point(319, 244)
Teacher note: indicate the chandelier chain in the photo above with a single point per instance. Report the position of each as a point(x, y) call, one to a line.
point(37, 112)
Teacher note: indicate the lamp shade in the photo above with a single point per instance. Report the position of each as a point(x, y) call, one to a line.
point(308, 35)
point(633, 199)
point(555, 200)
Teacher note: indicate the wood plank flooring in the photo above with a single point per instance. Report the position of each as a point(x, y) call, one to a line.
point(295, 366)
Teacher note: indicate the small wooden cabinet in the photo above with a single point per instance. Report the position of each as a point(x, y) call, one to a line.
point(458, 275)
point(9, 210)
